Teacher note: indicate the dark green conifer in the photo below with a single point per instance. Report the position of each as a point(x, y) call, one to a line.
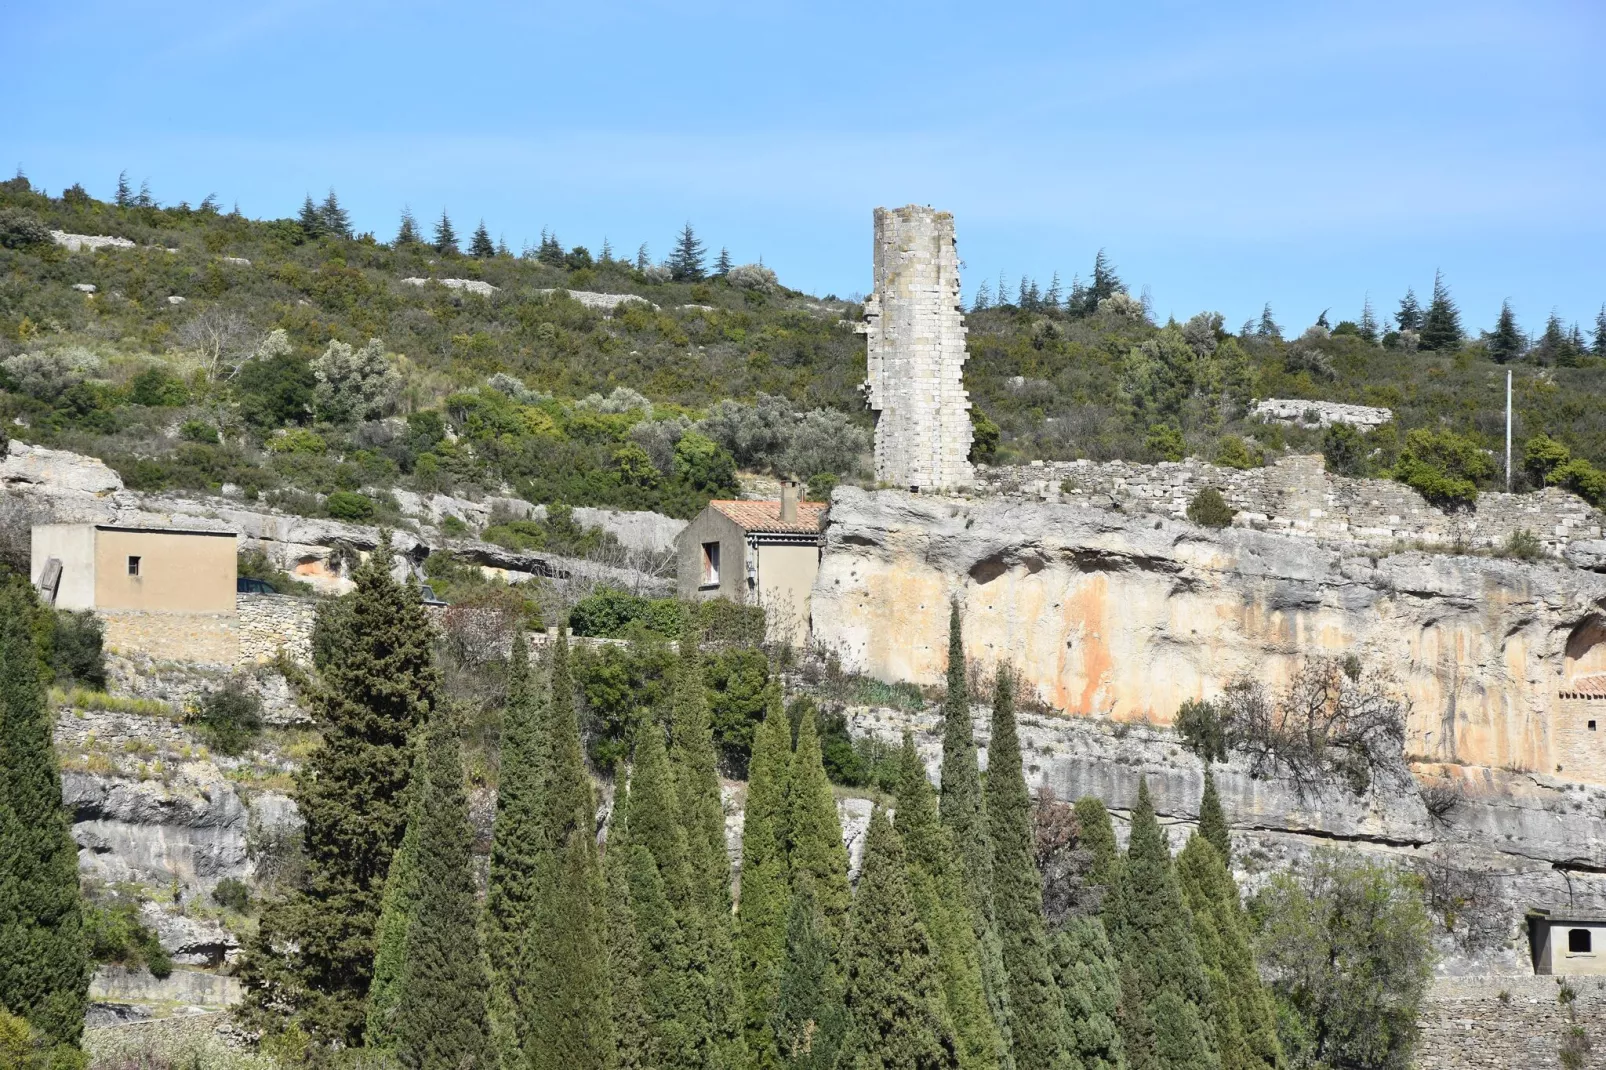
point(1037, 1011)
point(480, 246)
point(762, 913)
point(896, 1017)
point(1505, 342)
point(1409, 316)
point(1441, 327)
point(442, 1021)
point(676, 1028)
point(311, 219)
point(407, 233)
point(937, 884)
point(445, 236)
point(686, 262)
point(1163, 974)
point(1089, 978)
point(335, 219)
point(1213, 821)
point(632, 1027)
point(964, 813)
point(1098, 838)
point(810, 1017)
point(1245, 1016)
point(565, 1007)
point(814, 832)
point(396, 910)
point(314, 952)
point(44, 967)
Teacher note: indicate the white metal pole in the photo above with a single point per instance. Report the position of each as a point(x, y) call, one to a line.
point(1508, 430)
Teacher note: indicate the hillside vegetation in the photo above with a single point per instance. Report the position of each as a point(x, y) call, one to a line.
point(290, 358)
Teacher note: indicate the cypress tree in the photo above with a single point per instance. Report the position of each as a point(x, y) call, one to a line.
point(566, 1011)
point(632, 1026)
point(441, 1017)
point(1213, 821)
point(708, 923)
point(937, 884)
point(1441, 328)
point(1247, 1023)
point(896, 1018)
point(810, 1016)
point(1037, 1012)
point(44, 967)
point(1098, 837)
point(764, 902)
point(814, 832)
point(314, 952)
point(963, 812)
point(480, 245)
point(396, 908)
point(512, 887)
point(1089, 978)
point(1163, 974)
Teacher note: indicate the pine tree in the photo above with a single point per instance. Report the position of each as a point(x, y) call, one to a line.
point(407, 233)
point(632, 1027)
point(1098, 838)
point(810, 1017)
point(445, 236)
point(377, 684)
point(1037, 1012)
point(1106, 283)
point(722, 266)
point(1003, 290)
point(512, 889)
point(1088, 975)
point(1441, 328)
point(1267, 327)
point(765, 898)
point(896, 1018)
point(550, 251)
point(336, 221)
point(441, 1017)
point(480, 246)
point(1505, 343)
point(1599, 348)
point(983, 298)
point(565, 1010)
point(1052, 296)
point(124, 196)
point(686, 262)
point(1245, 1016)
point(311, 219)
point(1409, 316)
point(396, 910)
point(44, 969)
point(1213, 821)
point(144, 198)
point(606, 256)
point(1368, 326)
point(937, 884)
point(642, 261)
point(1163, 975)
point(814, 832)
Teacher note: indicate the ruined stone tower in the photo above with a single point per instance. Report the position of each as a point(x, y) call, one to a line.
point(916, 338)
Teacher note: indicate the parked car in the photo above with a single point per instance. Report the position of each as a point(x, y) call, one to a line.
point(248, 585)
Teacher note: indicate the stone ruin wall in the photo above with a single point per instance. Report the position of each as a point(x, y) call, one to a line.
point(1296, 496)
point(916, 353)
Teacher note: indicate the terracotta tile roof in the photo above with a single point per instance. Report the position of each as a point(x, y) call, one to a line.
point(766, 516)
point(1586, 686)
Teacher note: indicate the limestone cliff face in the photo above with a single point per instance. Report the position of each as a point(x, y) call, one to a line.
point(1125, 617)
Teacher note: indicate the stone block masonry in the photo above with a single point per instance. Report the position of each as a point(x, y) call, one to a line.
point(916, 353)
point(273, 622)
point(1498, 1023)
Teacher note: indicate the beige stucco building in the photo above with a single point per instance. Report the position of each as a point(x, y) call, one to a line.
point(1567, 944)
point(163, 592)
point(763, 553)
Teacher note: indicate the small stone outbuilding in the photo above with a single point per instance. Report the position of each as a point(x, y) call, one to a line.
point(764, 553)
point(1567, 944)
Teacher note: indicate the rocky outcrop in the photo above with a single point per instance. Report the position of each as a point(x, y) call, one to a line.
point(56, 471)
point(74, 243)
point(1124, 617)
point(474, 286)
point(603, 302)
point(1319, 413)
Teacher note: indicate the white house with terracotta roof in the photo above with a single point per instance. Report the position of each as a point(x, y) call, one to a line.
point(757, 553)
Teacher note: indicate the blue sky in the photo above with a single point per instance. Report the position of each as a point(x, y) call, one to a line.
point(1225, 154)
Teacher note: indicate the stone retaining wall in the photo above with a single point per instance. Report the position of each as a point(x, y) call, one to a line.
point(1296, 496)
point(1497, 1023)
point(210, 638)
point(273, 622)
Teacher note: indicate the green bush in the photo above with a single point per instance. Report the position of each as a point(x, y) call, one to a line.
point(77, 648)
point(617, 685)
point(1165, 442)
point(229, 717)
point(20, 228)
point(116, 935)
point(614, 614)
point(156, 388)
point(1209, 509)
point(1523, 545)
point(348, 505)
point(736, 679)
point(984, 436)
point(1346, 451)
point(197, 431)
point(1443, 467)
point(1202, 731)
point(1234, 452)
point(232, 894)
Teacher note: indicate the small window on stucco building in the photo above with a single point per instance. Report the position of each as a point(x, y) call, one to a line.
point(1591, 726)
point(1579, 942)
point(133, 565)
point(710, 564)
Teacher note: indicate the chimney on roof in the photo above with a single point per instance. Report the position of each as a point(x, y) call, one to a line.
point(788, 501)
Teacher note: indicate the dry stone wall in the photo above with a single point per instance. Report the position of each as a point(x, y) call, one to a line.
point(916, 352)
point(270, 623)
point(1297, 496)
point(1499, 1023)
